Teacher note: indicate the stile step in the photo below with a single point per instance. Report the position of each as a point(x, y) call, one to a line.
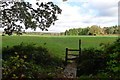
point(72, 58)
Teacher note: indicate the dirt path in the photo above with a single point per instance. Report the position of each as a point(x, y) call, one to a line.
point(70, 70)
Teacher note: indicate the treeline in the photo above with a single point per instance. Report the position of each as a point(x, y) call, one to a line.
point(41, 33)
point(93, 30)
point(34, 33)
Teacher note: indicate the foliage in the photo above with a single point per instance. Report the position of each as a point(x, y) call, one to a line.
point(111, 30)
point(92, 56)
point(101, 63)
point(79, 31)
point(113, 63)
point(84, 31)
point(91, 61)
point(16, 67)
point(93, 30)
point(24, 13)
point(29, 61)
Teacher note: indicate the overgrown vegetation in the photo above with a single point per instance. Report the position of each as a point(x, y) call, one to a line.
point(102, 63)
point(29, 61)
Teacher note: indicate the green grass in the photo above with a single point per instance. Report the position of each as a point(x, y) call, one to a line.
point(57, 44)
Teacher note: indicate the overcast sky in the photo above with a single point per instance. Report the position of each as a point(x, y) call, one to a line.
point(83, 13)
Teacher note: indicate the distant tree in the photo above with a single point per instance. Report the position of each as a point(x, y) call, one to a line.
point(85, 31)
point(67, 32)
point(79, 31)
point(70, 31)
point(15, 13)
point(95, 30)
point(111, 30)
point(73, 31)
point(116, 30)
point(64, 0)
point(106, 30)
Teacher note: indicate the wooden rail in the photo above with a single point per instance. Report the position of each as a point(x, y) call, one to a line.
point(73, 54)
point(73, 50)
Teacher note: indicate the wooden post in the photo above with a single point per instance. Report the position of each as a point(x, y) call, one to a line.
point(79, 47)
point(66, 55)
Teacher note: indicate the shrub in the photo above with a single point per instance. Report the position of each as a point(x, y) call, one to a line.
point(101, 63)
point(16, 67)
point(36, 54)
point(90, 62)
point(113, 63)
point(28, 61)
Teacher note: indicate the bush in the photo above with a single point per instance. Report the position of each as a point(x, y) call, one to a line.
point(36, 54)
point(113, 63)
point(28, 61)
point(90, 62)
point(16, 67)
point(101, 63)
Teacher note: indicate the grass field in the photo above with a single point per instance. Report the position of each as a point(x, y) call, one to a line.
point(57, 44)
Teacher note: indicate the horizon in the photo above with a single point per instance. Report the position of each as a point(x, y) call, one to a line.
point(58, 32)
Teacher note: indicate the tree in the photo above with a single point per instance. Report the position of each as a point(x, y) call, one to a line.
point(112, 30)
point(66, 32)
point(95, 30)
point(16, 13)
point(84, 31)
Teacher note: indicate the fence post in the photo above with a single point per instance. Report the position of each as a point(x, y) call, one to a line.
point(66, 55)
point(79, 47)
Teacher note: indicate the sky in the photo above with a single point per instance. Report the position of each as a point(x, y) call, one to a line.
point(83, 13)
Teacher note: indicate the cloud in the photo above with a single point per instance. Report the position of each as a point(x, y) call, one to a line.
point(83, 13)
point(105, 7)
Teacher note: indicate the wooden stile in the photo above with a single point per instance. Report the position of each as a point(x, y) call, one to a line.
point(70, 54)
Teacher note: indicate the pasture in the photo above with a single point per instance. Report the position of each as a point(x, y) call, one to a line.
point(57, 44)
